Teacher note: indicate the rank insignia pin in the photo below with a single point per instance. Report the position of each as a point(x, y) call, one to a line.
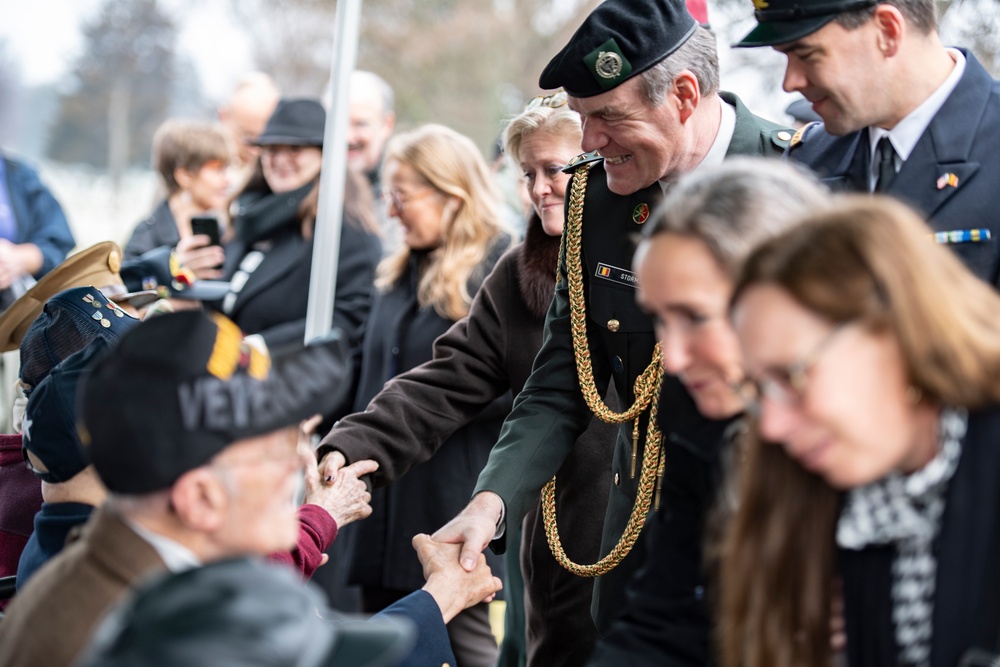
point(640, 214)
point(947, 180)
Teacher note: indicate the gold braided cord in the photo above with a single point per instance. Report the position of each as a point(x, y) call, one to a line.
point(652, 465)
point(646, 389)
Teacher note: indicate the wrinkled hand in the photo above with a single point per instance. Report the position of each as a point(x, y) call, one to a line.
point(473, 528)
point(195, 253)
point(346, 498)
point(451, 586)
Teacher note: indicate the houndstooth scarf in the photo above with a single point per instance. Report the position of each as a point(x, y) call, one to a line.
point(905, 511)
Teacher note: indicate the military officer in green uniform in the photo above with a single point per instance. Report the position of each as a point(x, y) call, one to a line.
point(644, 78)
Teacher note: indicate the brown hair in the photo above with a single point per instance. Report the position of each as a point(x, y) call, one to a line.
point(451, 164)
point(188, 144)
point(921, 13)
point(870, 260)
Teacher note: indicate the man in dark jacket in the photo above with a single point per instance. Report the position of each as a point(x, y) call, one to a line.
point(901, 113)
point(644, 78)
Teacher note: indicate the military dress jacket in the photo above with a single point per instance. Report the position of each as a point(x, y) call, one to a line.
point(550, 413)
point(950, 177)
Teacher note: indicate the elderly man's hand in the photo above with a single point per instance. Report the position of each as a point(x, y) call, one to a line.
point(451, 586)
point(346, 497)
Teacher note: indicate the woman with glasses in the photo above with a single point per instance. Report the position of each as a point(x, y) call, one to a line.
point(687, 264)
point(438, 188)
point(871, 480)
point(269, 260)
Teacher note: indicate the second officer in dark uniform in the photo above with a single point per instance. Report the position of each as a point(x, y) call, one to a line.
point(644, 78)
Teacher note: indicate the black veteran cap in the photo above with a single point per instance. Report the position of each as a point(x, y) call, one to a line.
point(783, 21)
point(182, 387)
point(49, 427)
point(620, 38)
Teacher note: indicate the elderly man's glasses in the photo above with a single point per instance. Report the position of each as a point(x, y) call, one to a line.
point(553, 101)
point(787, 384)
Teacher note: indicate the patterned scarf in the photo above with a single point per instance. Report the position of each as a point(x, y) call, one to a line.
point(905, 511)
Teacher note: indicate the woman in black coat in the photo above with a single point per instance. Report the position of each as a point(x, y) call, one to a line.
point(439, 190)
point(269, 259)
point(872, 482)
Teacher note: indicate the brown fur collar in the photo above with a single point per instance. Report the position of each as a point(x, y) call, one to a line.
point(536, 267)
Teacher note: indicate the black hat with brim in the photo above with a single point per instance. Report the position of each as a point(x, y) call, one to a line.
point(187, 385)
point(617, 41)
point(784, 21)
point(295, 122)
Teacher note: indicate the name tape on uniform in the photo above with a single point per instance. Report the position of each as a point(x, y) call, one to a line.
point(616, 275)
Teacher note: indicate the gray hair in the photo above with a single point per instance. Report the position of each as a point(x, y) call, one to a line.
point(366, 78)
point(736, 206)
point(921, 13)
point(697, 55)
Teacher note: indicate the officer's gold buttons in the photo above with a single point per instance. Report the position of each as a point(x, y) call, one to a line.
point(613, 325)
point(784, 136)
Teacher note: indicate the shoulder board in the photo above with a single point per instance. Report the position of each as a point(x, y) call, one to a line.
point(781, 138)
point(801, 134)
point(585, 158)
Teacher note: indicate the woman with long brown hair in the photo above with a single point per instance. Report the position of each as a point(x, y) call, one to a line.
point(871, 478)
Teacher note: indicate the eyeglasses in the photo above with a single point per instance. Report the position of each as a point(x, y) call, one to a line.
point(786, 385)
point(399, 199)
point(553, 101)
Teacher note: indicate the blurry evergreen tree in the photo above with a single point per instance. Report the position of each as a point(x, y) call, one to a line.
point(121, 90)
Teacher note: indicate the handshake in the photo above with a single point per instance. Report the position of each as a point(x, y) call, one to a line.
point(456, 578)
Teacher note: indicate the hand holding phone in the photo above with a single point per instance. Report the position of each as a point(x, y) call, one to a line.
point(209, 225)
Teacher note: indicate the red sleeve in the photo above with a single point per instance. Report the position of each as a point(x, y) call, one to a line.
point(317, 531)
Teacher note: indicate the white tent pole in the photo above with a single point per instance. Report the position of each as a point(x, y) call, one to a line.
point(329, 218)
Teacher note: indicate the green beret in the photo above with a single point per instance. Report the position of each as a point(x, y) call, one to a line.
point(620, 38)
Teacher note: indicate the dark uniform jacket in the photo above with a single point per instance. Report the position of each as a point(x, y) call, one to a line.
point(960, 140)
point(477, 360)
point(966, 550)
point(550, 413)
point(666, 621)
point(398, 337)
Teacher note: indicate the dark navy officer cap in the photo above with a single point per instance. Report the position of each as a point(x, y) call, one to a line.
point(621, 38)
point(783, 21)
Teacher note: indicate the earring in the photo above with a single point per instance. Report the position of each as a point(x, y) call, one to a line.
point(913, 395)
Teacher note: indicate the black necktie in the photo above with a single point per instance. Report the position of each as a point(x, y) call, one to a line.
point(886, 164)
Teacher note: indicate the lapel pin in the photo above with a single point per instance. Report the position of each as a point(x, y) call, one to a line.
point(949, 179)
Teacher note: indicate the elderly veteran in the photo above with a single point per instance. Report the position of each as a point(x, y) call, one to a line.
point(644, 78)
point(214, 479)
point(901, 113)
